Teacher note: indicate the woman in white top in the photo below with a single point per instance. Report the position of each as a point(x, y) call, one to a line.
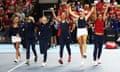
point(82, 32)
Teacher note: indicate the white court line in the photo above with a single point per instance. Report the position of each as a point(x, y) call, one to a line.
point(16, 67)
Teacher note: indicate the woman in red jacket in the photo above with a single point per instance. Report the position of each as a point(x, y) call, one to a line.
point(99, 35)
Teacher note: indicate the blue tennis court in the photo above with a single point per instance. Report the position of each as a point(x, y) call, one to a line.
point(110, 60)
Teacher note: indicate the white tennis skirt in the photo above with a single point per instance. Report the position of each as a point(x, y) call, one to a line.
point(15, 39)
point(81, 32)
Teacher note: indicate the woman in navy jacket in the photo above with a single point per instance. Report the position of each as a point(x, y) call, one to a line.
point(29, 29)
point(64, 38)
point(44, 37)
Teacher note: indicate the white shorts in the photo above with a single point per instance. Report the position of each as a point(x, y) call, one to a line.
point(81, 32)
point(15, 39)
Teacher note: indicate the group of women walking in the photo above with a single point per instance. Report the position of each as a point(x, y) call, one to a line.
point(64, 34)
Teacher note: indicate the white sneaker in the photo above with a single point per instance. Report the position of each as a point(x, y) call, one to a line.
point(44, 64)
point(19, 58)
point(16, 60)
point(99, 61)
point(27, 62)
point(82, 62)
point(95, 63)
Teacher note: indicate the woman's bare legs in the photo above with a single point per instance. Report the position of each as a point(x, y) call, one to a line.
point(16, 45)
point(84, 45)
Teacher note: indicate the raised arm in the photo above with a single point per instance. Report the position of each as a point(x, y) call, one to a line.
point(53, 12)
point(89, 14)
point(72, 13)
point(32, 18)
point(54, 15)
point(104, 15)
point(95, 13)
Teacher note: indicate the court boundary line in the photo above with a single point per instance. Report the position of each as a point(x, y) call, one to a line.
point(19, 65)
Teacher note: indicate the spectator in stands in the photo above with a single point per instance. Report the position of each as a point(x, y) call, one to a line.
point(12, 7)
point(1, 24)
point(114, 2)
point(27, 6)
point(119, 23)
point(2, 12)
point(113, 7)
point(20, 5)
point(114, 22)
point(6, 21)
point(2, 4)
point(63, 7)
point(16, 12)
point(7, 3)
point(100, 5)
point(78, 6)
point(13, 2)
point(9, 12)
point(21, 14)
